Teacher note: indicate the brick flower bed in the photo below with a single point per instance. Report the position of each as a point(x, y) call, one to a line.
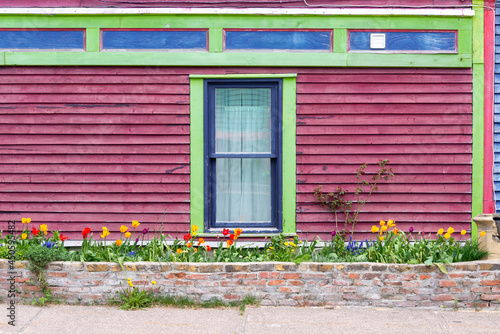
point(466, 285)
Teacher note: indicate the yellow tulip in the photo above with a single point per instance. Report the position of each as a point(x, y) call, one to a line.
point(123, 228)
point(450, 230)
point(463, 232)
point(135, 223)
point(390, 223)
point(447, 235)
point(383, 228)
point(119, 242)
point(194, 228)
point(26, 220)
point(382, 223)
point(179, 250)
point(43, 227)
point(128, 234)
point(482, 234)
point(381, 237)
point(374, 229)
point(153, 282)
point(441, 231)
point(24, 236)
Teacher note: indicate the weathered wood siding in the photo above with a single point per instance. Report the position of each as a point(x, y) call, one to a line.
point(229, 3)
point(105, 145)
point(418, 119)
point(95, 146)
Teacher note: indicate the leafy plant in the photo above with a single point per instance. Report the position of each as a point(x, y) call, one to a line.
point(336, 202)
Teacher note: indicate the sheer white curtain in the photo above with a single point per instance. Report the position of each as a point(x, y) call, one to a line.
point(243, 126)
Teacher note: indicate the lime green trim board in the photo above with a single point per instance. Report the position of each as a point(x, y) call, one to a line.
point(197, 201)
point(477, 114)
point(288, 146)
point(216, 56)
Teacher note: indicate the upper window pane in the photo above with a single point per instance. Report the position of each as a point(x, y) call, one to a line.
point(296, 40)
point(42, 39)
point(243, 120)
point(154, 39)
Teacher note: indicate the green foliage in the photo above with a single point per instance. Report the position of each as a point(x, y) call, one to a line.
point(337, 202)
point(133, 298)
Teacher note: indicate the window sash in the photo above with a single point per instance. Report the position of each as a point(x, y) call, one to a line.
point(212, 219)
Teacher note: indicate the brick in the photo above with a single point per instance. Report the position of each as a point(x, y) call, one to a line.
point(285, 267)
point(340, 282)
point(457, 290)
point(183, 283)
point(456, 275)
point(442, 297)
point(422, 268)
point(292, 276)
point(175, 275)
point(289, 289)
point(394, 283)
point(254, 282)
point(185, 267)
point(231, 297)
point(268, 275)
point(91, 267)
point(312, 276)
point(490, 297)
point(408, 277)
point(348, 289)
point(21, 265)
point(261, 266)
point(490, 282)
point(400, 268)
point(489, 266)
point(370, 276)
point(296, 283)
point(495, 289)
point(55, 266)
point(237, 267)
point(351, 296)
point(358, 267)
point(447, 283)
point(276, 282)
point(197, 276)
point(463, 267)
point(73, 266)
point(379, 267)
point(210, 268)
point(353, 276)
point(245, 276)
point(412, 284)
point(56, 274)
point(321, 267)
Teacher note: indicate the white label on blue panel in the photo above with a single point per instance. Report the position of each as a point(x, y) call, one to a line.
point(377, 41)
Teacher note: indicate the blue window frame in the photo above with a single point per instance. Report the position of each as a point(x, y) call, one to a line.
point(243, 155)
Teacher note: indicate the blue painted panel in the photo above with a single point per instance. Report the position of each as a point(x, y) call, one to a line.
point(154, 40)
point(42, 40)
point(425, 41)
point(279, 40)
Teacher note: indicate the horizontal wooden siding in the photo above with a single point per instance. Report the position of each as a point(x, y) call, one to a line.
point(420, 120)
point(87, 147)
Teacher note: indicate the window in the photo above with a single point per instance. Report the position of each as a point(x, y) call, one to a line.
point(242, 153)
point(242, 148)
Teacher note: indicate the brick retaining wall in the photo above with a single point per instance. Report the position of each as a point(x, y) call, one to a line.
point(471, 284)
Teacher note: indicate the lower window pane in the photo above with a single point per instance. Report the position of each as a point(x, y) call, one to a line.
point(243, 190)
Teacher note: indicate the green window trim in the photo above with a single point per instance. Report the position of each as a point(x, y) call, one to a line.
point(197, 205)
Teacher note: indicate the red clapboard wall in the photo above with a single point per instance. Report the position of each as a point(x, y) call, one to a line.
point(93, 146)
point(231, 3)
